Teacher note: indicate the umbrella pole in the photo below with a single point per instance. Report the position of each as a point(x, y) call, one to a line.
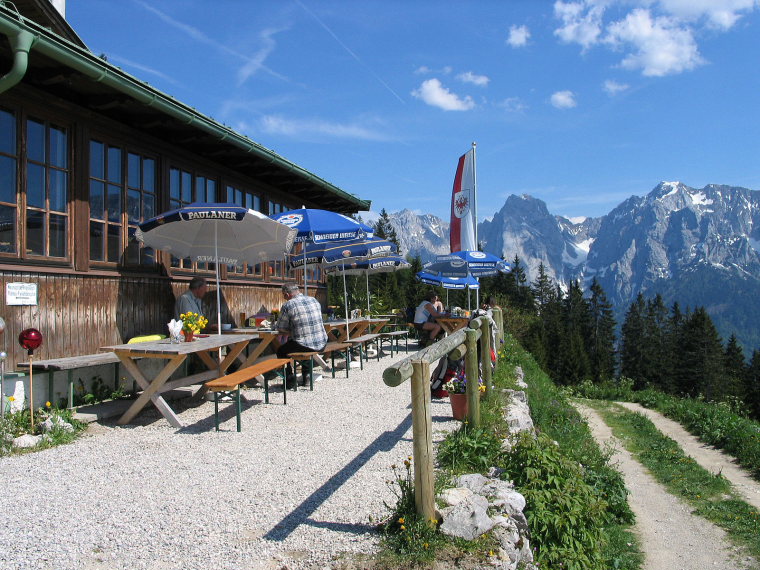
point(367, 274)
point(345, 301)
point(305, 289)
point(218, 293)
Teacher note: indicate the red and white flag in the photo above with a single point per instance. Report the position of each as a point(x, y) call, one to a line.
point(462, 235)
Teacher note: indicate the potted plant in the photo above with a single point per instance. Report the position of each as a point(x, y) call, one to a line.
point(457, 389)
point(192, 323)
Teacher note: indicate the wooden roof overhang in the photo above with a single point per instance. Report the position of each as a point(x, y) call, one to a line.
point(71, 72)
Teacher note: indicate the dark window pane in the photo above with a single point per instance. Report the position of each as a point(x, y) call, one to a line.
point(230, 194)
point(7, 132)
point(58, 147)
point(7, 229)
point(187, 187)
point(174, 184)
point(97, 200)
point(200, 189)
point(257, 203)
point(249, 201)
point(7, 179)
point(149, 175)
point(211, 191)
point(58, 235)
point(96, 241)
point(35, 141)
point(133, 206)
point(114, 243)
point(58, 190)
point(149, 206)
point(147, 255)
point(133, 170)
point(97, 163)
point(132, 254)
point(114, 164)
point(35, 232)
point(173, 204)
point(114, 203)
point(35, 185)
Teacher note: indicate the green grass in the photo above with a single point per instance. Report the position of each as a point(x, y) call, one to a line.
point(711, 496)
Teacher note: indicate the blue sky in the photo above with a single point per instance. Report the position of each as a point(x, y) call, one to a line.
point(579, 103)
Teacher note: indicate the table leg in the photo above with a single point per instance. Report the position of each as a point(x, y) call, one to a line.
point(150, 389)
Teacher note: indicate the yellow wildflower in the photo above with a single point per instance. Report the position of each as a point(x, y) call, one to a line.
point(48, 404)
point(401, 520)
point(11, 399)
point(403, 527)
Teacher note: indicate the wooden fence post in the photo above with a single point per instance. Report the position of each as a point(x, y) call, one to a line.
point(422, 434)
point(498, 318)
point(485, 354)
point(472, 374)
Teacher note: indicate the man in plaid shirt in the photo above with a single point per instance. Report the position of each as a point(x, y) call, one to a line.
point(301, 319)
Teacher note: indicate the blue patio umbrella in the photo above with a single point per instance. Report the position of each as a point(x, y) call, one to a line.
point(343, 252)
point(319, 226)
point(370, 266)
point(218, 233)
point(467, 263)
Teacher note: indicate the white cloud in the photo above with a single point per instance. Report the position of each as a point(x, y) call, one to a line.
point(518, 36)
point(612, 87)
point(721, 14)
point(581, 22)
point(513, 105)
point(661, 46)
point(422, 70)
point(433, 93)
point(470, 77)
point(309, 128)
point(563, 99)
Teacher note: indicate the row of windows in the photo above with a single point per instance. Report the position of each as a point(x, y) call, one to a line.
point(124, 190)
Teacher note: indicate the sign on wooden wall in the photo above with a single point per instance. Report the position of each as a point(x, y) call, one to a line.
point(20, 293)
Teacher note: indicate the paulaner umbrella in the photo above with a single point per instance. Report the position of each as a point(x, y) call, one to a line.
point(218, 233)
point(466, 263)
point(447, 283)
point(370, 266)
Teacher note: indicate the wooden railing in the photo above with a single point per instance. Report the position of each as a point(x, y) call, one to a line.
point(461, 344)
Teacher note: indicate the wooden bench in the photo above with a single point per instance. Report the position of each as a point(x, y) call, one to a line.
point(331, 348)
point(393, 337)
point(361, 343)
point(71, 363)
point(229, 385)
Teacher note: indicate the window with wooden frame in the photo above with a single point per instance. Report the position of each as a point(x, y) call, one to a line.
point(46, 221)
point(8, 170)
point(251, 201)
point(122, 193)
point(277, 269)
point(186, 187)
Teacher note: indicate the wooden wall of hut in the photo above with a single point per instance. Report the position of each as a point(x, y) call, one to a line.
point(78, 313)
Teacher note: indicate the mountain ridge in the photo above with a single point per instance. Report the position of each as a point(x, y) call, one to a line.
point(671, 241)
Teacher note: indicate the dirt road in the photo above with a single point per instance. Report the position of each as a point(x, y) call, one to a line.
point(671, 537)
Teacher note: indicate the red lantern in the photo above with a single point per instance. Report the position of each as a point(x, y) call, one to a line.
point(30, 339)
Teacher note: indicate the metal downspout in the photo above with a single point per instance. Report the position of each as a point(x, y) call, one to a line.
point(21, 42)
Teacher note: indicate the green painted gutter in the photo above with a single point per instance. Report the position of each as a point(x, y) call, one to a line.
point(14, 25)
point(21, 43)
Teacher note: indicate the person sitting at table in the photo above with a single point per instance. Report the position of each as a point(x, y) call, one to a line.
point(192, 299)
point(301, 319)
point(424, 316)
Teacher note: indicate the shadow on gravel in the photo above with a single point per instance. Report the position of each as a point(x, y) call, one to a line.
point(302, 512)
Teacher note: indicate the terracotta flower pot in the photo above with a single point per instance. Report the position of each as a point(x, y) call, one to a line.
point(188, 335)
point(458, 406)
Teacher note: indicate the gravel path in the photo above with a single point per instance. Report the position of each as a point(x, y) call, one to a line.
point(709, 457)
point(301, 485)
point(671, 537)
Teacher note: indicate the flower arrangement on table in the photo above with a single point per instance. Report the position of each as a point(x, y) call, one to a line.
point(458, 384)
point(193, 322)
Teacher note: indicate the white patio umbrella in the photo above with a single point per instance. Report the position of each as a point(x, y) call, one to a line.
point(218, 233)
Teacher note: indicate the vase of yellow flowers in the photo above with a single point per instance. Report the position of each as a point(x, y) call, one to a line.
point(192, 323)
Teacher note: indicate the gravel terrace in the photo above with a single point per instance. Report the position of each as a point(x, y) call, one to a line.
point(301, 485)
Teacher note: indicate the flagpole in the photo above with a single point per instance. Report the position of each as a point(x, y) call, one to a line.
point(475, 194)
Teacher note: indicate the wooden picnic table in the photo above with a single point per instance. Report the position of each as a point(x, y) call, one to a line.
point(340, 330)
point(452, 324)
point(207, 350)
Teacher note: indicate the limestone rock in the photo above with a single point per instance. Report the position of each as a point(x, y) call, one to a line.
point(468, 519)
point(27, 441)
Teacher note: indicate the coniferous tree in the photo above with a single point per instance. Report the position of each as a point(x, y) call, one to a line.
point(601, 341)
point(673, 333)
point(655, 346)
point(736, 368)
point(751, 391)
point(542, 288)
point(574, 365)
point(632, 352)
point(384, 229)
point(700, 357)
